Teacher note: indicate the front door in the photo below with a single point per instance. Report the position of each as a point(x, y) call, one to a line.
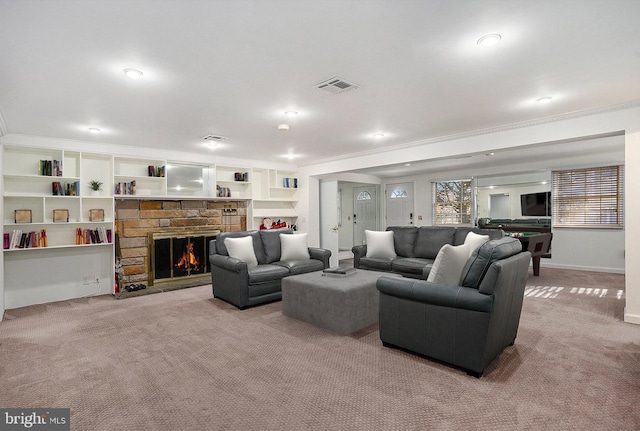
point(399, 200)
point(365, 209)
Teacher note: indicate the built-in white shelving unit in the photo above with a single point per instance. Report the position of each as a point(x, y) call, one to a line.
point(68, 268)
point(47, 201)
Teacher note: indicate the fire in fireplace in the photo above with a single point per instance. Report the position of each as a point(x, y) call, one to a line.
point(179, 255)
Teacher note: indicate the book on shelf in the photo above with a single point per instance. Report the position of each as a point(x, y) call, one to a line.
point(51, 168)
point(20, 239)
point(100, 235)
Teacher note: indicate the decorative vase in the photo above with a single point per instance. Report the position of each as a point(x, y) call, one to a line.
point(95, 192)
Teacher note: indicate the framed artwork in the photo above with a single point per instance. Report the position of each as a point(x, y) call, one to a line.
point(22, 216)
point(60, 215)
point(96, 214)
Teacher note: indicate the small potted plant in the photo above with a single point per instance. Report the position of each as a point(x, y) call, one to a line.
point(95, 187)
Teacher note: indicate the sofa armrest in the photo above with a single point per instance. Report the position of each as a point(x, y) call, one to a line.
point(227, 262)
point(321, 254)
point(435, 294)
point(358, 252)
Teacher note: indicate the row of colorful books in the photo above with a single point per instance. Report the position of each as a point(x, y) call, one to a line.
point(156, 171)
point(66, 189)
point(20, 239)
point(98, 235)
point(125, 188)
point(52, 168)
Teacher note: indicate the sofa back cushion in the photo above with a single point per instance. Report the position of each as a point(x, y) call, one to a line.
point(404, 238)
point(430, 240)
point(271, 243)
point(221, 248)
point(480, 260)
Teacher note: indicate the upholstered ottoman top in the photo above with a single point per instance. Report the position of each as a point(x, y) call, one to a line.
point(340, 304)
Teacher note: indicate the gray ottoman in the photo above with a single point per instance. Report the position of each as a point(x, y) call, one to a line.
point(340, 304)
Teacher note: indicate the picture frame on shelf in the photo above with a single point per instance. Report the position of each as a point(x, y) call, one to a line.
point(96, 214)
point(22, 216)
point(60, 215)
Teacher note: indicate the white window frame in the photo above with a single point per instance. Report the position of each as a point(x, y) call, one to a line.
point(470, 202)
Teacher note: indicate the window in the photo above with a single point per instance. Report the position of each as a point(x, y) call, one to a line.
point(590, 197)
point(399, 193)
point(452, 202)
point(363, 196)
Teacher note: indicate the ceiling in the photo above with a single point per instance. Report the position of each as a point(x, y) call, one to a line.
point(232, 68)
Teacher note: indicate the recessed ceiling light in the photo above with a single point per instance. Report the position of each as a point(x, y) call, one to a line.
point(378, 135)
point(283, 127)
point(407, 164)
point(133, 73)
point(490, 154)
point(545, 99)
point(291, 114)
point(94, 130)
point(489, 40)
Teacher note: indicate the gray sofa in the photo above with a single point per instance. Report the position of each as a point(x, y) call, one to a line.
point(467, 325)
point(416, 248)
point(234, 282)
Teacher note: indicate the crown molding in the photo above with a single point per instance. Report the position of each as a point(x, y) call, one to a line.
point(498, 129)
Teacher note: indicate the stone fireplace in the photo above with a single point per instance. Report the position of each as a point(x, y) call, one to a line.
point(192, 222)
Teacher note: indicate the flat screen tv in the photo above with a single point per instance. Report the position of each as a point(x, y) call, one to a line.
point(536, 204)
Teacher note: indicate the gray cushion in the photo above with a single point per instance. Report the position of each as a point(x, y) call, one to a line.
point(430, 240)
point(301, 266)
point(266, 272)
point(375, 263)
point(257, 243)
point(410, 265)
point(404, 238)
point(271, 243)
point(482, 258)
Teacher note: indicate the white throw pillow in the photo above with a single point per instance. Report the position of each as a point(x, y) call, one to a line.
point(294, 247)
point(380, 244)
point(475, 241)
point(449, 263)
point(242, 248)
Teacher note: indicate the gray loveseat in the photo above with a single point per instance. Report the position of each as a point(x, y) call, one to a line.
point(467, 325)
point(416, 248)
point(233, 281)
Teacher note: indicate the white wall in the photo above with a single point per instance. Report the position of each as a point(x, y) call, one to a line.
point(346, 222)
point(632, 230)
point(329, 218)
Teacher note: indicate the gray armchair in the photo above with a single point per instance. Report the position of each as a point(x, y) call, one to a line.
point(468, 325)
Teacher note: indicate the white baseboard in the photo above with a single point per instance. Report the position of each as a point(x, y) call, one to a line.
point(544, 264)
point(631, 318)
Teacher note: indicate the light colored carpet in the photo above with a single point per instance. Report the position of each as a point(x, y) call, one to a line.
point(182, 360)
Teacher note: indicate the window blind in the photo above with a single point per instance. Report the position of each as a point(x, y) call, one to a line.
point(591, 197)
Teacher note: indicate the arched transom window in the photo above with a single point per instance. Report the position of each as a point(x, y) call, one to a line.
point(399, 193)
point(364, 196)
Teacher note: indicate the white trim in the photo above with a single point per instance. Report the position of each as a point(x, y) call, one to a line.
point(631, 318)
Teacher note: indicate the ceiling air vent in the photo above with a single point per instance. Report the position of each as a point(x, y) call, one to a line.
point(214, 138)
point(337, 85)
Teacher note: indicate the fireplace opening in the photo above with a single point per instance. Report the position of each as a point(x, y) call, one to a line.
point(179, 255)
